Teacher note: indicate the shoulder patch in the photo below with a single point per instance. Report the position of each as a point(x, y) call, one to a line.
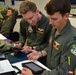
point(30, 29)
point(73, 49)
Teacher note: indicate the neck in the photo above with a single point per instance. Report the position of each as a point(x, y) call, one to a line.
point(39, 17)
point(61, 27)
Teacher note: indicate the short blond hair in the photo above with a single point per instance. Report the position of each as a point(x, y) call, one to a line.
point(27, 6)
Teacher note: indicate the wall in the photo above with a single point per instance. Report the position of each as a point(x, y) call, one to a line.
point(17, 25)
point(41, 4)
point(73, 21)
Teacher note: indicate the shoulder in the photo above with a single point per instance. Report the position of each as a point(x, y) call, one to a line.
point(23, 21)
point(45, 17)
point(73, 49)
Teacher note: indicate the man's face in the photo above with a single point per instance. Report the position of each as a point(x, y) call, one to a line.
point(57, 20)
point(9, 13)
point(31, 17)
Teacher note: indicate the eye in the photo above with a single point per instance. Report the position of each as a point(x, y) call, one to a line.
point(31, 17)
point(54, 18)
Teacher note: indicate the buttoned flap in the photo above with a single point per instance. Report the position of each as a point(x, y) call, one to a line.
point(40, 30)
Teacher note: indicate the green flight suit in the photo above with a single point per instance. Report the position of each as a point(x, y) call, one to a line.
point(36, 35)
point(61, 51)
point(1, 17)
point(8, 24)
point(4, 46)
point(0, 23)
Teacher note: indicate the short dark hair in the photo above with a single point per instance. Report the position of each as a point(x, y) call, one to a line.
point(62, 6)
point(27, 6)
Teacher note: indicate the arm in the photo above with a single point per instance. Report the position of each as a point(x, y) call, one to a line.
point(66, 64)
point(4, 45)
point(6, 27)
point(15, 14)
point(34, 55)
point(23, 37)
point(3, 13)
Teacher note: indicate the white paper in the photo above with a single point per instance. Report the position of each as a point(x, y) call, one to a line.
point(19, 64)
point(5, 66)
point(2, 37)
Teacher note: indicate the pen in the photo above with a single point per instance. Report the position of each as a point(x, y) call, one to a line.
point(68, 60)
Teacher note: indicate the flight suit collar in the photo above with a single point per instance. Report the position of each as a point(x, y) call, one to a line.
point(64, 30)
point(42, 20)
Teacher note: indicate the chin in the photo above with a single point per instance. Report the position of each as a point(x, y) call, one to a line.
point(54, 28)
point(33, 24)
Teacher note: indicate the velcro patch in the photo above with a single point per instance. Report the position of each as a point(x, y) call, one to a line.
point(56, 45)
point(41, 31)
point(73, 49)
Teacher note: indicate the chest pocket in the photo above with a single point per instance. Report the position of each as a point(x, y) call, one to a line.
point(40, 31)
point(56, 45)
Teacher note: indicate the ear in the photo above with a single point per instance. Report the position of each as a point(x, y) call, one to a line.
point(37, 11)
point(66, 16)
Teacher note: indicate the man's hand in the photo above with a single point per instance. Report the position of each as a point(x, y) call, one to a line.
point(34, 55)
point(17, 45)
point(26, 49)
point(26, 71)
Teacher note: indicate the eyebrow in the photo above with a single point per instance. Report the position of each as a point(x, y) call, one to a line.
point(30, 17)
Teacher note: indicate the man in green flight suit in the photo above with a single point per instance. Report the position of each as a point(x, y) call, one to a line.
point(5, 45)
point(34, 27)
point(9, 20)
point(61, 51)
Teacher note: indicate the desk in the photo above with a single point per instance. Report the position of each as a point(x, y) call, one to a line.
point(19, 62)
point(19, 65)
point(19, 56)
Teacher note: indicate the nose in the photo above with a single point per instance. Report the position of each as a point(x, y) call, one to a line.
point(51, 21)
point(30, 21)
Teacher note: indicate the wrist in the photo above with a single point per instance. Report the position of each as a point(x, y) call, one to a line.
point(40, 54)
point(34, 47)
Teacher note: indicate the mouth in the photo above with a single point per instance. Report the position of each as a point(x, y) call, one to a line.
point(33, 23)
point(53, 25)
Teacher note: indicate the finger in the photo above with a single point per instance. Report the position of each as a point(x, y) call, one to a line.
point(31, 57)
point(24, 68)
point(23, 72)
